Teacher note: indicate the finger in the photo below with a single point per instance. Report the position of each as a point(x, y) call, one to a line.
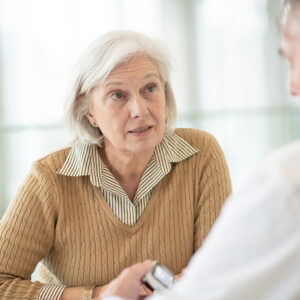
point(145, 291)
point(141, 269)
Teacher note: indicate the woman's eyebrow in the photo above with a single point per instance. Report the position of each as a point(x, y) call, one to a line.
point(112, 82)
point(151, 75)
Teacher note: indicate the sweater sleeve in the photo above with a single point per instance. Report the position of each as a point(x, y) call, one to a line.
point(27, 233)
point(214, 186)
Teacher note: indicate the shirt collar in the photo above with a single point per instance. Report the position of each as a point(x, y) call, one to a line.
point(84, 160)
point(172, 149)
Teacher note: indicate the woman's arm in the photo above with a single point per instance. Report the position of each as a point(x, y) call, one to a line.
point(27, 233)
point(74, 293)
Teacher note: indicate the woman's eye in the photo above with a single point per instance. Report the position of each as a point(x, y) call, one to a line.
point(117, 95)
point(151, 88)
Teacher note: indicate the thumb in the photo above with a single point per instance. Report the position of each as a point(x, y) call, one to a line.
point(141, 269)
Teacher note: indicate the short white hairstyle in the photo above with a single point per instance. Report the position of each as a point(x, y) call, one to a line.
point(94, 66)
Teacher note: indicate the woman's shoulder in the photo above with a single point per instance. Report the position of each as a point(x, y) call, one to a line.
point(196, 137)
point(54, 160)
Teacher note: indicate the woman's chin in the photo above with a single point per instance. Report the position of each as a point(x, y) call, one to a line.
point(142, 149)
point(143, 146)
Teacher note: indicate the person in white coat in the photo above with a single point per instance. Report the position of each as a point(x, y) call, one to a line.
point(253, 250)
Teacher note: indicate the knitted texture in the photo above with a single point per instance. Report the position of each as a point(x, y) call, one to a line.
point(65, 222)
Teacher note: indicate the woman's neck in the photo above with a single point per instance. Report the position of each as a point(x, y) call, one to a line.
point(127, 168)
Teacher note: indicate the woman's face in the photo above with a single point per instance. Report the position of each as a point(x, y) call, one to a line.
point(129, 107)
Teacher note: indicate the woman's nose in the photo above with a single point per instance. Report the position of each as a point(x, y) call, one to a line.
point(138, 107)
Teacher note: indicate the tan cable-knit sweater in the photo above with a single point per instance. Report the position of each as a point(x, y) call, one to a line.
point(65, 222)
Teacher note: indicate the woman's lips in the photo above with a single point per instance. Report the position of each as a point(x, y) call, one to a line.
point(141, 130)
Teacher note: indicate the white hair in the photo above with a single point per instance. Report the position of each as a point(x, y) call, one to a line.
point(94, 66)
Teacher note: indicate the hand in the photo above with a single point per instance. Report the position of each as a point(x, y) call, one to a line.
point(98, 291)
point(129, 283)
point(144, 292)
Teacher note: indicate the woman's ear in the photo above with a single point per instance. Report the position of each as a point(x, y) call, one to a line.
point(91, 119)
point(88, 114)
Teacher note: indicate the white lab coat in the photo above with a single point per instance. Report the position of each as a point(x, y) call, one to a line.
point(253, 250)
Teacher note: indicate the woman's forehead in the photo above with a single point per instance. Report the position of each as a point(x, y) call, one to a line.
point(138, 65)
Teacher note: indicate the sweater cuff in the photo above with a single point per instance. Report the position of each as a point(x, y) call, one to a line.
point(51, 291)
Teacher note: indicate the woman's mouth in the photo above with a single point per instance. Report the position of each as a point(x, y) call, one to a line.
point(141, 130)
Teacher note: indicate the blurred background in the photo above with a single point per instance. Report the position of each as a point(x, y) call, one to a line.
point(228, 77)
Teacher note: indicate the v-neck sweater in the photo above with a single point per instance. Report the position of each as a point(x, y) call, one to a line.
point(66, 223)
point(85, 160)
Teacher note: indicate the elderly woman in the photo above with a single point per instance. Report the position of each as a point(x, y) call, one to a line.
point(129, 189)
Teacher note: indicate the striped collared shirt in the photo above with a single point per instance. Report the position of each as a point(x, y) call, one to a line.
point(84, 160)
